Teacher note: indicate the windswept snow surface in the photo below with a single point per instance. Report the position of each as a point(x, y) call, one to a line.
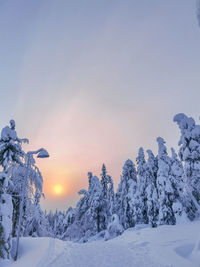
point(141, 246)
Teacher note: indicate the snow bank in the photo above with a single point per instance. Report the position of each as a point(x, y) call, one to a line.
point(141, 246)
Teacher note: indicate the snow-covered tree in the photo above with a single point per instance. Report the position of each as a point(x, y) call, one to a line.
point(141, 190)
point(95, 211)
point(176, 174)
point(36, 223)
point(190, 154)
point(126, 194)
point(105, 205)
point(88, 212)
point(111, 196)
point(151, 189)
point(164, 186)
point(10, 146)
point(176, 177)
point(6, 210)
point(68, 221)
point(80, 215)
point(32, 192)
point(59, 225)
point(114, 228)
point(104, 181)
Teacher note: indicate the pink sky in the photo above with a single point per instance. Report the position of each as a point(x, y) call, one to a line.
point(92, 81)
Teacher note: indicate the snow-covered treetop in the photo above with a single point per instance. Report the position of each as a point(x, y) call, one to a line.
point(10, 146)
point(162, 150)
point(103, 175)
point(89, 180)
point(129, 171)
point(140, 160)
point(82, 192)
point(89, 175)
point(151, 157)
point(95, 184)
point(9, 133)
point(151, 162)
point(190, 137)
point(185, 124)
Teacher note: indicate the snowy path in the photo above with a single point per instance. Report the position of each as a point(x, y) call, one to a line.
point(165, 246)
point(47, 257)
point(99, 254)
point(108, 254)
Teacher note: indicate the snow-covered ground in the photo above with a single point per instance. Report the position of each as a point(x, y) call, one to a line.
point(171, 246)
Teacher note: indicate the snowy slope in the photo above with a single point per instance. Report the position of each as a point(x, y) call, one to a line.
point(171, 246)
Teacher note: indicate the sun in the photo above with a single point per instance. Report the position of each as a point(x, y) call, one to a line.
point(58, 189)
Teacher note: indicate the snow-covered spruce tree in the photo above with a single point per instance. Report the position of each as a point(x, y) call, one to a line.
point(176, 174)
point(11, 154)
point(190, 155)
point(151, 190)
point(6, 210)
point(10, 146)
point(35, 221)
point(141, 205)
point(59, 226)
point(176, 177)
point(111, 196)
point(69, 217)
point(125, 196)
point(50, 219)
point(68, 221)
point(95, 206)
point(104, 200)
point(164, 186)
point(88, 212)
point(77, 229)
point(32, 214)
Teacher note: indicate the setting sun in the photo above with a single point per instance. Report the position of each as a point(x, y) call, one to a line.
point(58, 189)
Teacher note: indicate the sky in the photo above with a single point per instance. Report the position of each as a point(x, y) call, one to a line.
point(93, 81)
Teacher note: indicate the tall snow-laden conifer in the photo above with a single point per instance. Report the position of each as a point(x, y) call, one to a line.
point(68, 221)
point(104, 200)
point(176, 174)
point(190, 154)
point(151, 189)
point(36, 223)
point(6, 210)
point(141, 190)
point(88, 212)
point(176, 177)
point(82, 207)
point(111, 196)
point(164, 186)
point(126, 194)
point(95, 211)
point(10, 151)
point(32, 192)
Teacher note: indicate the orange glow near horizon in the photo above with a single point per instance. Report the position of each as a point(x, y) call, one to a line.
point(58, 189)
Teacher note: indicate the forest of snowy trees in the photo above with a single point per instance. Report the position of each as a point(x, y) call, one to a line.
point(162, 189)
